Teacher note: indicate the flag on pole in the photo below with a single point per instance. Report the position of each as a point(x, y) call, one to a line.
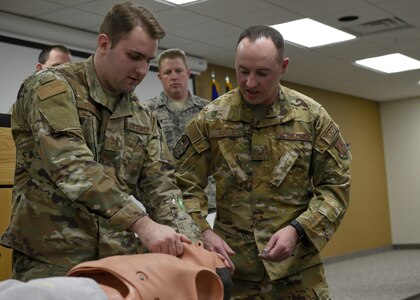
point(214, 87)
point(228, 84)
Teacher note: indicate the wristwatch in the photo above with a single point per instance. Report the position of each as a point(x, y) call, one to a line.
point(299, 229)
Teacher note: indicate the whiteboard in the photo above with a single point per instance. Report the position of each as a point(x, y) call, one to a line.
point(18, 60)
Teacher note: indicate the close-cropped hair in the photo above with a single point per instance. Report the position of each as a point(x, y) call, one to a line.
point(45, 53)
point(171, 54)
point(263, 31)
point(123, 17)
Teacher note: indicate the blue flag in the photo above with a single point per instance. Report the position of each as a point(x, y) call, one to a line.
point(214, 87)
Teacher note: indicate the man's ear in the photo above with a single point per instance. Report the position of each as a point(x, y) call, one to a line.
point(284, 64)
point(104, 43)
point(38, 66)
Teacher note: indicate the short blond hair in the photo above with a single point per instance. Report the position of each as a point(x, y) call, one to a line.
point(171, 54)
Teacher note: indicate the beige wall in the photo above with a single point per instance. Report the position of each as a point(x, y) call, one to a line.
point(203, 81)
point(367, 222)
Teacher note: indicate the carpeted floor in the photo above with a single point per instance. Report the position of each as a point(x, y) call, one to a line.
point(386, 275)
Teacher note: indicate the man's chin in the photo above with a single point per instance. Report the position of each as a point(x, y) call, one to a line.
point(129, 89)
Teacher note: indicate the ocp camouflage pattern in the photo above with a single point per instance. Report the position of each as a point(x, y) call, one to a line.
point(76, 184)
point(289, 165)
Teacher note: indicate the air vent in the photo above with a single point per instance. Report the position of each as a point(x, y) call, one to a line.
point(378, 26)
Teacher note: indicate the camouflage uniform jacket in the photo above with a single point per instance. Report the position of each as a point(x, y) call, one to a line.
point(74, 183)
point(171, 119)
point(292, 164)
point(173, 122)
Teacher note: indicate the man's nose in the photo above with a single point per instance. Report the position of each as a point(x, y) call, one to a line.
point(251, 81)
point(142, 68)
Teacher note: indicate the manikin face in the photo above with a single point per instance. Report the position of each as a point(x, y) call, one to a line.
point(258, 70)
point(123, 67)
point(173, 75)
point(55, 58)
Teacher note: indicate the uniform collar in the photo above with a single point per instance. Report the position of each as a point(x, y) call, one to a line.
point(281, 111)
point(164, 100)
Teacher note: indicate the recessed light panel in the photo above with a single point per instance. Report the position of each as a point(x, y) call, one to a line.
point(391, 63)
point(310, 33)
point(179, 2)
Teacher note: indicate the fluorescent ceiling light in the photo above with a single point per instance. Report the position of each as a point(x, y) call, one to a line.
point(179, 2)
point(391, 63)
point(310, 33)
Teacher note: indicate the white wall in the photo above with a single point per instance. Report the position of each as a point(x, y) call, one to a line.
point(18, 62)
point(401, 134)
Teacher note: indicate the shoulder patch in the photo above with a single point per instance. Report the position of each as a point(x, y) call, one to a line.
point(181, 146)
point(342, 148)
point(330, 133)
point(51, 89)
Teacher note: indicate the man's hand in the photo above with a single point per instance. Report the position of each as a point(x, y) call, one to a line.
point(159, 238)
point(281, 245)
point(215, 243)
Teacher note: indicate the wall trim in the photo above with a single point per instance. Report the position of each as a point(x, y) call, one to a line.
point(405, 246)
point(362, 253)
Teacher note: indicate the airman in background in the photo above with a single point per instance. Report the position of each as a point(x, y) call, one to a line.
point(176, 105)
point(53, 56)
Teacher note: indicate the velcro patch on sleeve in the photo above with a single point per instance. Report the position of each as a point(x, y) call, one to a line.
point(329, 135)
point(51, 89)
point(193, 132)
point(342, 148)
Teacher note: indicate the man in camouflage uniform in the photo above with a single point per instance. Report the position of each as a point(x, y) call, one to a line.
point(281, 169)
point(176, 105)
point(52, 56)
point(87, 153)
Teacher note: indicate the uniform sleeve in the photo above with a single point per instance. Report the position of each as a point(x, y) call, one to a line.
point(66, 160)
point(331, 183)
point(192, 165)
point(162, 197)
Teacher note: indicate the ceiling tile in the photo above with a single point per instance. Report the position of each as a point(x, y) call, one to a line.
point(102, 7)
point(401, 7)
point(220, 9)
point(310, 8)
point(213, 54)
point(30, 8)
point(351, 51)
point(365, 14)
point(272, 15)
point(70, 3)
point(207, 31)
point(173, 41)
point(70, 16)
point(176, 18)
